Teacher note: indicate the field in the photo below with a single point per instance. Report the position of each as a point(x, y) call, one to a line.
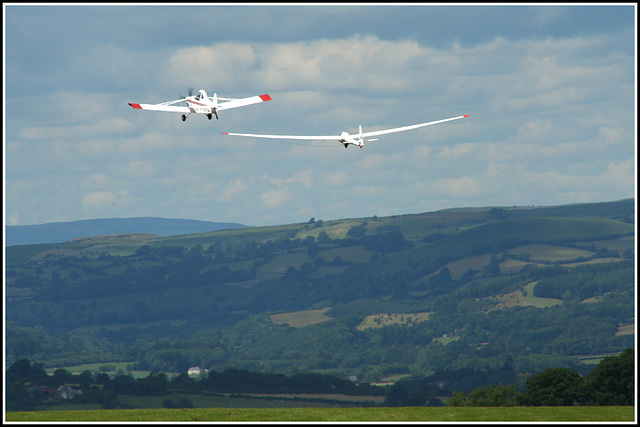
point(384, 319)
point(406, 414)
point(525, 297)
point(299, 319)
point(110, 368)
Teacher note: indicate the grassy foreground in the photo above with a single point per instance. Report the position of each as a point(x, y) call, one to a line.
point(557, 413)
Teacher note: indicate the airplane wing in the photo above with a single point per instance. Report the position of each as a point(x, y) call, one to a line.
point(161, 107)
point(241, 102)
point(307, 138)
point(403, 128)
point(340, 137)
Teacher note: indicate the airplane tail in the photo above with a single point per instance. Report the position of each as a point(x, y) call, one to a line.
point(215, 104)
point(360, 140)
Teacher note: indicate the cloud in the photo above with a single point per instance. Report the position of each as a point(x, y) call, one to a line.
point(99, 200)
point(619, 175)
point(234, 188)
point(457, 188)
point(102, 127)
point(275, 198)
point(221, 63)
point(303, 177)
point(139, 169)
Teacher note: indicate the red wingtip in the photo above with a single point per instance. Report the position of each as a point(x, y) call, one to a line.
point(136, 106)
point(466, 116)
point(265, 97)
point(225, 133)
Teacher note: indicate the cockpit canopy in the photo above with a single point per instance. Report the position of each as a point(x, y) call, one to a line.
point(201, 95)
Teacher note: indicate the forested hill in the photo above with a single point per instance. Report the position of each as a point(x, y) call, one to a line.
point(508, 290)
point(57, 232)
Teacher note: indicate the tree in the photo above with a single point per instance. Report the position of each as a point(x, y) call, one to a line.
point(611, 382)
point(492, 395)
point(553, 387)
point(323, 237)
point(495, 395)
point(357, 231)
point(22, 370)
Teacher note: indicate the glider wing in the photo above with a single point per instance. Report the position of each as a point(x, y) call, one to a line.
point(403, 128)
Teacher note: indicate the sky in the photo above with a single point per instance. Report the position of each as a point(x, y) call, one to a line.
point(550, 91)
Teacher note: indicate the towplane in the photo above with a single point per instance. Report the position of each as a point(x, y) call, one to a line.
point(201, 103)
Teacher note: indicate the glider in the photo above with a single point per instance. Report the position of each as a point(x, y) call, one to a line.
point(202, 104)
point(344, 138)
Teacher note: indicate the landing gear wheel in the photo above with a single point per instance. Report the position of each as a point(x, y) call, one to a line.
point(184, 117)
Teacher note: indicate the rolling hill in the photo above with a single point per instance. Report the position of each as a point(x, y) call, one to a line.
point(58, 232)
point(512, 288)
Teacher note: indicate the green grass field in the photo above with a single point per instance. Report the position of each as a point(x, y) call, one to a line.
point(531, 414)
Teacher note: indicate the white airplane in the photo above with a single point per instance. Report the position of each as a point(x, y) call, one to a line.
point(344, 137)
point(202, 104)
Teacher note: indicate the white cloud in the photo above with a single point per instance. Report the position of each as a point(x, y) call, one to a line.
point(276, 198)
point(336, 179)
point(98, 200)
point(223, 63)
point(303, 177)
point(356, 62)
point(94, 181)
point(234, 188)
point(101, 127)
point(619, 175)
point(457, 187)
point(139, 169)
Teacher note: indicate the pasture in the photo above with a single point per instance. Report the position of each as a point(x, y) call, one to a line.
point(299, 319)
point(524, 297)
point(402, 414)
point(385, 319)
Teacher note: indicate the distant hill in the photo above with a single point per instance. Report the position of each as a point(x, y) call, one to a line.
point(58, 232)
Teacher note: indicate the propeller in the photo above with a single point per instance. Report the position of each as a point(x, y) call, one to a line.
point(189, 91)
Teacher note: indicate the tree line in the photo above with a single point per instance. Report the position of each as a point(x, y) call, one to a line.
point(610, 383)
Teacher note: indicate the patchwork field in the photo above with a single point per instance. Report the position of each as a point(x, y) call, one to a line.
point(385, 319)
point(626, 330)
point(525, 297)
point(299, 319)
point(549, 253)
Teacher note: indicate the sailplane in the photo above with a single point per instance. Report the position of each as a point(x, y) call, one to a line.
point(345, 138)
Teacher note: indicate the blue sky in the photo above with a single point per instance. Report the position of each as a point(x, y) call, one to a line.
point(550, 91)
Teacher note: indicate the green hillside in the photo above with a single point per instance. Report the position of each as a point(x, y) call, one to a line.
point(481, 288)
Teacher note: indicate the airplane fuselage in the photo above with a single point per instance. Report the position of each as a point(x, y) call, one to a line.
point(346, 139)
point(201, 104)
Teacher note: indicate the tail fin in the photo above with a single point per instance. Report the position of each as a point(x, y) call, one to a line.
point(215, 105)
point(360, 140)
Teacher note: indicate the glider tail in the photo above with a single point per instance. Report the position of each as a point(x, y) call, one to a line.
point(360, 140)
